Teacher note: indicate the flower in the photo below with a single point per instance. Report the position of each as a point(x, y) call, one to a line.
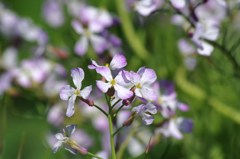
point(175, 126)
point(207, 30)
point(142, 82)
point(69, 93)
point(64, 139)
point(91, 23)
point(145, 111)
point(145, 7)
point(53, 13)
point(116, 83)
point(166, 100)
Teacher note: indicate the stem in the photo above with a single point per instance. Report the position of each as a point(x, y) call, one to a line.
point(118, 130)
point(111, 137)
point(129, 31)
point(116, 103)
point(226, 52)
point(109, 104)
point(182, 14)
point(19, 155)
point(101, 110)
point(93, 155)
point(119, 109)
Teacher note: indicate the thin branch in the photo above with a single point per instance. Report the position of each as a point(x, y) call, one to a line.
point(101, 110)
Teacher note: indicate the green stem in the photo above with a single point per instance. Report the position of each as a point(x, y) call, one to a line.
point(118, 110)
point(109, 104)
point(129, 32)
point(116, 103)
point(93, 155)
point(101, 110)
point(118, 130)
point(111, 137)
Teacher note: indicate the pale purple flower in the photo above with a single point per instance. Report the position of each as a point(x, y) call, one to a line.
point(89, 34)
point(91, 23)
point(8, 22)
point(145, 111)
point(9, 58)
point(167, 101)
point(32, 33)
point(5, 81)
point(178, 3)
point(188, 51)
point(114, 43)
point(56, 114)
point(33, 71)
point(53, 13)
point(171, 128)
point(113, 82)
point(69, 93)
point(65, 139)
point(145, 7)
point(118, 61)
point(175, 127)
point(142, 81)
point(207, 30)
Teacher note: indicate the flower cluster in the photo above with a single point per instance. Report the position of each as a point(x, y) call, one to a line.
point(128, 95)
point(89, 22)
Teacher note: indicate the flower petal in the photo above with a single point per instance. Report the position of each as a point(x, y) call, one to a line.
point(148, 76)
point(93, 65)
point(146, 92)
point(56, 146)
point(151, 108)
point(147, 119)
point(59, 136)
point(70, 108)
point(69, 130)
point(178, 3)
point(77, 26)
point(66, 92)
point(122, 92)
point(105, 72)
point(206, 49)
point(118, 61)
point(173, 128)
point(85, 92)
point(99, 43)
point(81, 46)
point(103, 86)
point(77, 75)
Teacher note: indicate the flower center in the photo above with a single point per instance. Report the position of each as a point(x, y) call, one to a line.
point(77, 92)
point(87, 33)
point(113, 82)
point(107, 65)
point(160, 100)
point(138, 86)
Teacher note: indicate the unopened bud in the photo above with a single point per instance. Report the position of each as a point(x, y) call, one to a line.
point(80, 149)
point(111, 92)
point(88, 101)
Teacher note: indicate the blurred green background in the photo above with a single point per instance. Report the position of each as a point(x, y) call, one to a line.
point(211, 91)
